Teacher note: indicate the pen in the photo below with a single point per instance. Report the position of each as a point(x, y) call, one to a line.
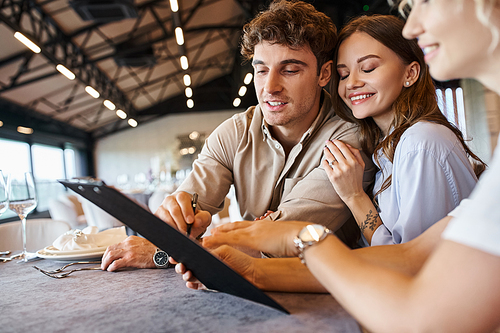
point(194, 202)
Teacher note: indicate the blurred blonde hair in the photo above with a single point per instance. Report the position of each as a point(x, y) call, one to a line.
point(484, 11)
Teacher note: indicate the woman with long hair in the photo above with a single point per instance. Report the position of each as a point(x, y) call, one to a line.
point(383, 85)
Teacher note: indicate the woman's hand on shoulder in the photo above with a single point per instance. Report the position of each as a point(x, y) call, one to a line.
point(344, 167)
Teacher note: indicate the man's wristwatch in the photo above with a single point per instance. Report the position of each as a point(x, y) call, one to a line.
point(160, 258)
point(308, 236)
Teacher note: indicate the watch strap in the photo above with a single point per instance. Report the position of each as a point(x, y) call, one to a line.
point(303, 245)
point(167, 265)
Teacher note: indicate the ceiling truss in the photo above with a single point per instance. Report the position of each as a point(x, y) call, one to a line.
point(211, 29)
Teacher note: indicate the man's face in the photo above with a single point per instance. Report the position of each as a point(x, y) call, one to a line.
point(287, 85)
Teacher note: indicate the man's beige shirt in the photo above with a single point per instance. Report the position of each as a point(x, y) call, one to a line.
point(241, 151)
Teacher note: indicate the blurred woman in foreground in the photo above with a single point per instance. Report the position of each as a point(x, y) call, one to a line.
point(445, 280)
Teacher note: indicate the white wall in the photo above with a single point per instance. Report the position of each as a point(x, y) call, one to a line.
point(492, 103)
point(476, 119)
point(482, 111)
point(131, 151)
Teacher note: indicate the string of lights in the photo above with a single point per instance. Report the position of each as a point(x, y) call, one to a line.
point(184, 62)
point(243, 89)
point(71, 76)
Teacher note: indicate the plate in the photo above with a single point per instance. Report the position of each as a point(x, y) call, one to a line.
point(53, 250)
point(70, 256)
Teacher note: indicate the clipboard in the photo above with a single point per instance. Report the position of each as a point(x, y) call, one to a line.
point(207, 268)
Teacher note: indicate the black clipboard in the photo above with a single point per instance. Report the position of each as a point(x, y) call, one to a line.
point(208, 269)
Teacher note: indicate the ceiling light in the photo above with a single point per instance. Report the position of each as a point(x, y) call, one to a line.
point(187, 80)
point(189, 92)
point(236, 102)
point(92, 92)
point(184, 62)
point(191, 150)
point(1, 123)
point(194, 135)
point(24, 130)
point(190, 103)
point(28, 43)
point(242, 91)
point(184, 151)
point(179, 37)
point(121, 114)
point(174, 6)
point(248, 78)
point(66, 72)
point(132, 122)
point(110, 105)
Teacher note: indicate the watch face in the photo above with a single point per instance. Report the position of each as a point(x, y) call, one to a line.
point(312, 233)
point(161, 258)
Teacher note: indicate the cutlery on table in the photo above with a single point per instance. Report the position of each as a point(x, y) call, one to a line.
point(53, 273)
point(11, 257)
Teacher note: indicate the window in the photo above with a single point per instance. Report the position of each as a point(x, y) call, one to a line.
point(15, 157)
point(451, 103)
point(47, 163)
point(48, 167)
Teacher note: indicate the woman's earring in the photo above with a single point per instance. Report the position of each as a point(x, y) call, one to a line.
point(407, 83)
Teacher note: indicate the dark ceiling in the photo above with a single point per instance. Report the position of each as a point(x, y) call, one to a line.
point(132, 61)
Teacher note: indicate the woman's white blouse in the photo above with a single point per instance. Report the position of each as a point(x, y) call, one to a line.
point(477, 224)
point(431, 174)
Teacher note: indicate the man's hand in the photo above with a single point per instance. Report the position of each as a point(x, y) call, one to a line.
point(240, 262)
point(177, 211)
point(132, 252)
point(273, 237)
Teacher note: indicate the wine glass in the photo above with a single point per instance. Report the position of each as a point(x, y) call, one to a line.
point(22, 201)
point(4, 194)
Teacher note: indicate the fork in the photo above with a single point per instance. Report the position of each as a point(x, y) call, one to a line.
point(4, 259)
point(65, 274)
point(65, 266)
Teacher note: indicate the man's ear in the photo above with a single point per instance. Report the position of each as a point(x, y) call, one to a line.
point(411, 74)
point(325, 74)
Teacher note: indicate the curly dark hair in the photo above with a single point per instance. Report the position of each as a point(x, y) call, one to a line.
point(294, 24)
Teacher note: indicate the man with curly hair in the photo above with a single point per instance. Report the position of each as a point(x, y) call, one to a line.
point(271, 153)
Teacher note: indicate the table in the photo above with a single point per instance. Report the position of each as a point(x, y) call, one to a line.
point(149, 300)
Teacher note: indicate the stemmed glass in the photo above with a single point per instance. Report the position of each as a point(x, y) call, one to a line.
point(22, 201)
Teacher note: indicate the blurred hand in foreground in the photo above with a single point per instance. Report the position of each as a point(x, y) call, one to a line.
point(274, 238)
point(242, 263)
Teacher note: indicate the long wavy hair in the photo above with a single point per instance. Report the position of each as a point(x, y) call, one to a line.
point(415, 103)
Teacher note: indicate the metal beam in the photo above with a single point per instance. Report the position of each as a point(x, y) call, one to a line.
point(59, 49)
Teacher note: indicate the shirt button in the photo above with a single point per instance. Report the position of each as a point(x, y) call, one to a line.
point(278, 146)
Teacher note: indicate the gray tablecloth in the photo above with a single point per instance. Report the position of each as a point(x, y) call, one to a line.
point(149, 300)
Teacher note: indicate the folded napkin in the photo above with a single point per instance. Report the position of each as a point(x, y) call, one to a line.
point(89, 238)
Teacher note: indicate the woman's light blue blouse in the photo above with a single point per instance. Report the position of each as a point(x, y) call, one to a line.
point(431, 174)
